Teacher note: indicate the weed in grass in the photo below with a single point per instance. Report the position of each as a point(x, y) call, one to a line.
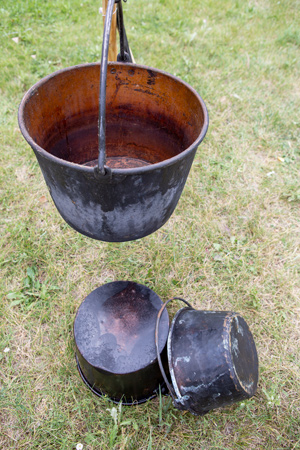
point(33, 292)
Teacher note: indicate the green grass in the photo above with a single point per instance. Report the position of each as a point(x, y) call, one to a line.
point(232, 243)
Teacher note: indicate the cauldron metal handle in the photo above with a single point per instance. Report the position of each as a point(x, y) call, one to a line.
point(179, 403)
point(124, 56)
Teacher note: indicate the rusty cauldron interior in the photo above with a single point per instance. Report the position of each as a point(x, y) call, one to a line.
point(154, 124)
point(212, 359)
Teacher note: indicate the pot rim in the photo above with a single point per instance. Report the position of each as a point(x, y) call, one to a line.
point(90, 170)
point(101, 394)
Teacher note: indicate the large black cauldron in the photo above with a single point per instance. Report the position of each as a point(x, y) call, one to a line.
point(154, 124)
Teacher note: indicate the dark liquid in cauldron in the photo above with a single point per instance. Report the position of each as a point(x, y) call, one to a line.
point(129, 143)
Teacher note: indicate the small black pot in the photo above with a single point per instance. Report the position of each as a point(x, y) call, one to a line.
point(115, 345)
point(212, 359)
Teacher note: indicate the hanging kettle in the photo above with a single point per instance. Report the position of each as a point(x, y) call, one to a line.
point(115, 158)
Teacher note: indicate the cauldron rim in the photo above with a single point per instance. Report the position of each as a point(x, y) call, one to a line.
point(116, 171)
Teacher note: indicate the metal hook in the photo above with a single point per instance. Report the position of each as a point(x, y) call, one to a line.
point(125, 54)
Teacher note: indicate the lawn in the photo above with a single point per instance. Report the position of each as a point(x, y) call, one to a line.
point(233, 242)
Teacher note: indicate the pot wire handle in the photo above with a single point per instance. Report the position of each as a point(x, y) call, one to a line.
point(178, 402)
point(124, 56)
point(102, 89)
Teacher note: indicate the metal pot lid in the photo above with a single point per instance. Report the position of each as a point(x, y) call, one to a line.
point(114, 327)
